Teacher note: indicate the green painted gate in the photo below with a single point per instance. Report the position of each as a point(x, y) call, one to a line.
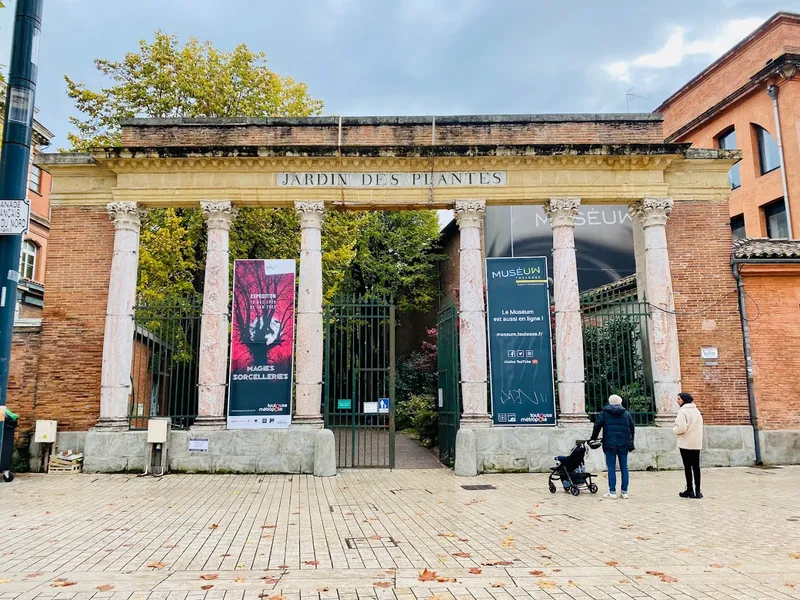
point(449, 397)
point(358, 395)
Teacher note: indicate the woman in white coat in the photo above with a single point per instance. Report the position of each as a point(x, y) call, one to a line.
point(689, 432)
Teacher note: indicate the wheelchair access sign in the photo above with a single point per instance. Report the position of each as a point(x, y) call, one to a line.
point(15, 216)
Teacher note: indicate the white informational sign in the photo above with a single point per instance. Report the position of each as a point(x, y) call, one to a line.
point(15, 216)
point(371, 408)
point(383, 406)
point(441, 398)
point(393, 180)
point(709, 353)
point(198, 445)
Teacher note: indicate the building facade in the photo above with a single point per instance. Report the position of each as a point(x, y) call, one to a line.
point(316, 165)
point(750, 99)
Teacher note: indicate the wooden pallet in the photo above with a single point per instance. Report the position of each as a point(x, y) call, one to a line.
point(75, 468)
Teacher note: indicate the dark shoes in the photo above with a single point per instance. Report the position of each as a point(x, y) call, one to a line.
point(687, 494)
point(698, 495)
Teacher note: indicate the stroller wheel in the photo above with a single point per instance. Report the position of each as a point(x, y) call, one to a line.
point(593, 488)
point(552, 487)
point(574, 490)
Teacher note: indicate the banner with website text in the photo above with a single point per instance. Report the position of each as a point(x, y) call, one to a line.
point(262, 344)
point(520, 347)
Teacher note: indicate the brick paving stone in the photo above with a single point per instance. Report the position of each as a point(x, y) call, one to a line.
point(370, 534)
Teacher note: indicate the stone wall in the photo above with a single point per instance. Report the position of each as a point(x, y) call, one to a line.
point(25, 352)
point(396, 131)
point(78, 269)
point(699, 240)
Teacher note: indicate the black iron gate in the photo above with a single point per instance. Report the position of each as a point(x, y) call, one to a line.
point(449, 398)
point(359, 380)
point(164, 370)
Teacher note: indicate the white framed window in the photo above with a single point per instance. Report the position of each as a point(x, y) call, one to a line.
point(35, 180)
point(27, 260)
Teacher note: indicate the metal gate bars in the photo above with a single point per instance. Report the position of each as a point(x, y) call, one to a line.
point(358, 396)
point(164, 372)
point(449, 398)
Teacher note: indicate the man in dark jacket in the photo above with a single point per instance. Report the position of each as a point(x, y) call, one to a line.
point(616, 423)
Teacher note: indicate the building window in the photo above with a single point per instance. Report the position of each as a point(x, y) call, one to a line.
point(775, 216)
point(768, 156)
point(27, 260)
point(737, 227)
point(727, 141)
point(35, 181)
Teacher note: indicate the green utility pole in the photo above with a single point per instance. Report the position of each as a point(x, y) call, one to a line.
point(14, 165)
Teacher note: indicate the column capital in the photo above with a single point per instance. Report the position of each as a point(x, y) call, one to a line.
point(469, 213)
point(311, 213)
point(651, 211)
point(126, 215)
point(562, 212)
point(218, 213)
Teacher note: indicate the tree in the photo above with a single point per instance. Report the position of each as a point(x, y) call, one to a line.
point(165, 79)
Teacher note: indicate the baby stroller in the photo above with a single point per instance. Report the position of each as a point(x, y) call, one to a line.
point(571, 472)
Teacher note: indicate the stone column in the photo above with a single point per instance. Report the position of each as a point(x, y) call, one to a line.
point(214, 336)
point(115, 378)
point(664, 350)
point(638, 248)
point(309, 345)
point(569, 331)
point(472, 315)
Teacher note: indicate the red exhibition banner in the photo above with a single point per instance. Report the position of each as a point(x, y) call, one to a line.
point(262, 344)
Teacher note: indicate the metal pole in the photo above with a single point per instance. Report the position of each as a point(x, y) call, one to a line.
point(772, 92)
point(14, 165)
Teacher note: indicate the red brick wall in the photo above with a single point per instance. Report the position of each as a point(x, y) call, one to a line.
point(25, 352)
point(541, 132)
point(773, 310)
point(78, 268)
point(699, 241)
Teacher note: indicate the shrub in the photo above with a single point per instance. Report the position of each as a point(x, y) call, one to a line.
point(422, 414)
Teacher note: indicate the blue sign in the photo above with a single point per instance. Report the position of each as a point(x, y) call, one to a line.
point(383, 405)
point(520, 346)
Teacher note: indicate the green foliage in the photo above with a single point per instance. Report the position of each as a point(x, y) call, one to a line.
point(165, 79)
point(614, 364)
point(416, 391)
point(421, 413)
point(396, 255)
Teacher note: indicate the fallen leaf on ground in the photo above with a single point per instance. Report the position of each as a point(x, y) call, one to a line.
point(206, 587)
point(276, 597)
point(541, 548)
point(499, 584)
point(463, 539)
point(624, 581)
point(564, 530)
point(795, 555)
point(507, 542)
point(446, 580)
point(266, 537)
point(570, 582)
point(311, 563)
point(156, 565)
point(498, 563)
point(283, 566)
point(322, 589)
point(668, 579)
point(63, 583)
point(225, 555)
point(104, 588)
point(642, 538)
point(30, 575)
point(382, 584)
point(626, 526)
point(268, 526)
point(476, 570)
point(6, 580)
point(214, 526)
point(654, 573)
point(447, 535)
point(209, 576)
point(715, 566)
point(556, 570)
point(270, 580)
point(612, 563)
point(375, 537)
point(536, 573)
point(546, 583)
point(427, 575)
point(684, 550)
point(239, 580)
point(171, 546)
point(462, 554)
point(790, 585)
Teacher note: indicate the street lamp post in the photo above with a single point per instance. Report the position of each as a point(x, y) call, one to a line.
point(14, 165)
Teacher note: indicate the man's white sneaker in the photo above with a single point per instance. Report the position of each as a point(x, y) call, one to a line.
point(624, 495)
point(610, 495)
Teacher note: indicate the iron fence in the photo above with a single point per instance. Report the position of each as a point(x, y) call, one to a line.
point(449, 400)
point(164, 372)
point(616, 354)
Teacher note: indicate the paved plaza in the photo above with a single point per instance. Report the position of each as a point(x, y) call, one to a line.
point(405, 535)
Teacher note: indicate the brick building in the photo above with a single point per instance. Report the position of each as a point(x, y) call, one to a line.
point(750, 99)
point(676, 195)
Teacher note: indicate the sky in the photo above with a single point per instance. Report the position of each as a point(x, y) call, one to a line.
point(416, 57)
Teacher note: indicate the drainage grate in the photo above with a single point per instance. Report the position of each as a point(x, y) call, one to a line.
point(375, 541)
point(475, 488)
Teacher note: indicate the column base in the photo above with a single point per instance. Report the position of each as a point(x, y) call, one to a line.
point(573, 420)
point(665, 419)
point(471, 421)
point(109, 424)
point(307, 422)
point(209, 423)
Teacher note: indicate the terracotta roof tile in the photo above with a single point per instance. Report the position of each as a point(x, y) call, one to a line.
point(766, 248)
